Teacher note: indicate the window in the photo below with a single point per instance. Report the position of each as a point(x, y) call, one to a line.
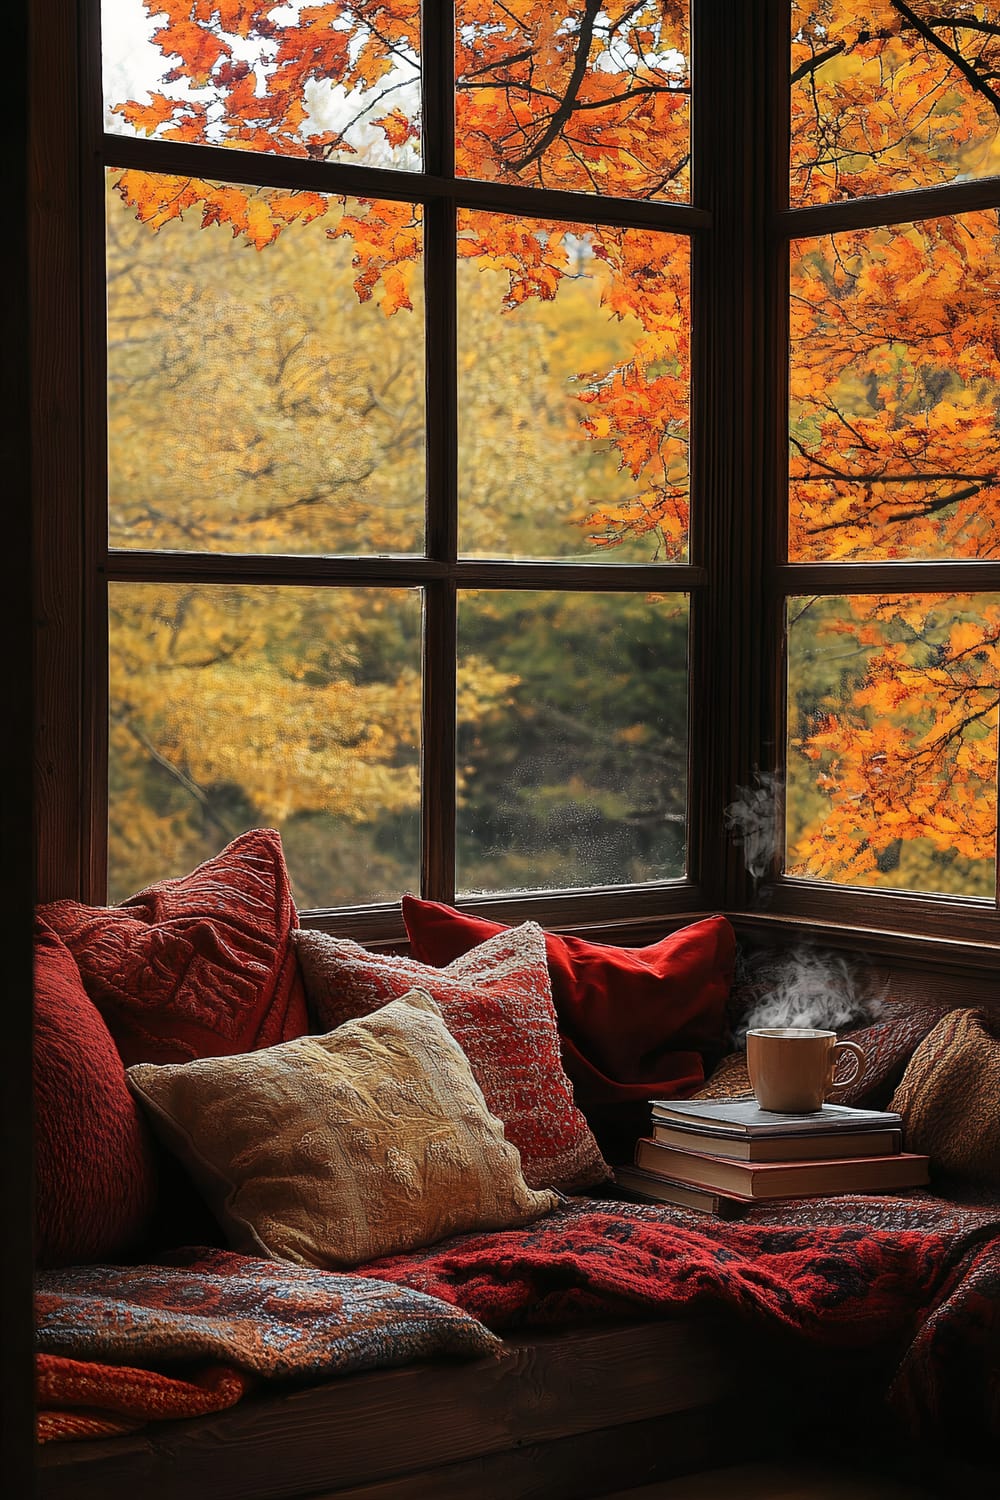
point(397, 443)
point(439, 369)
point(890, 548)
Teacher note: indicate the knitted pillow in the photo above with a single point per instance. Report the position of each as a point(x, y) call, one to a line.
point(200, 966)
point(635, 1023)
point(949, 1097)
point(497, 1003)
point(333, 1150)
point(95, 1182)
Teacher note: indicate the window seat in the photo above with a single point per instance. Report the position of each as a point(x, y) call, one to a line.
point(896, 1296)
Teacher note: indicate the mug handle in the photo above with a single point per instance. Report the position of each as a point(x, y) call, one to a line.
point(852, 1048)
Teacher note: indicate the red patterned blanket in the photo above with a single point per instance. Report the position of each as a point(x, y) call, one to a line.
point(912, 1277)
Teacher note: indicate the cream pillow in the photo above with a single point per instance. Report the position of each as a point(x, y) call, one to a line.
point(333, 1150)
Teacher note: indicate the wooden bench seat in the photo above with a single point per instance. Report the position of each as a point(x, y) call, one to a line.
point(569, 1414)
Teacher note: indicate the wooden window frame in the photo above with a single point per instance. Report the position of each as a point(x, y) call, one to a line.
point(739, 224)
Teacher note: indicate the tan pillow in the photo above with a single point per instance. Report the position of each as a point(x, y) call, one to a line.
point(333, 1150)
point(949, 1096)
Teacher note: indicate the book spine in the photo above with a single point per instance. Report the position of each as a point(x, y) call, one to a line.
point(783, 1179)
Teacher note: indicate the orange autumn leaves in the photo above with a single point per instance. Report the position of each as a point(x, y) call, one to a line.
point(902, 747)
point(889, 95)
point(895, 447)
point(895, 380)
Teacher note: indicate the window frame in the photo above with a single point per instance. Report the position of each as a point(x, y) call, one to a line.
point(739, 223)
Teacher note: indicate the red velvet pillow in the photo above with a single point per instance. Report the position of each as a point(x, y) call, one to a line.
point(497, 1004)
point(636, 1023)
point(200, 966)
point(95, 1182)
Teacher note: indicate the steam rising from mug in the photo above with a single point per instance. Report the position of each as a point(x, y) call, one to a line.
point(752, 820)
point(811, 988)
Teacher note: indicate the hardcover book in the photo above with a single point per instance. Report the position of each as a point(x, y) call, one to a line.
point(744, 1117)
point(784, 1179)
point(664, 1190)
point(811, 1147)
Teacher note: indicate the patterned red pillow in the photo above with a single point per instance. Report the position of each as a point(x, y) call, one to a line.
point(95, 1181)
point(201, 966)
point(497, 1003)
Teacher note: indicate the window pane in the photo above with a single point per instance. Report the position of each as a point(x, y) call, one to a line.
point(337, 82)
point(290, 708)
point(571, 95)
point(573, 391)
point(263, 396)
point(572, 739)
point(887, 97)
point(895, 386)
point(892, 741)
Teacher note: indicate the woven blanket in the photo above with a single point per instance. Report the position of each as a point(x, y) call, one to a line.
point(912, 1275)
point(122, 1345)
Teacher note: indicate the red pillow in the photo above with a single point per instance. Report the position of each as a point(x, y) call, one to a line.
point(201, 966)
point(636, 1023)
point(95, 1182)
point(497, 1004)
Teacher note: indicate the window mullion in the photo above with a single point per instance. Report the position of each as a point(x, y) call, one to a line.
point(439, 728)
point(437, 67)
point(737, 383)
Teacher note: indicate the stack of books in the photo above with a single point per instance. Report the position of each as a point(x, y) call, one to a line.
point(719, 1155)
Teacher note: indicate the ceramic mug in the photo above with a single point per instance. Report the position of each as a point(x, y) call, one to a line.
point(793, 1068)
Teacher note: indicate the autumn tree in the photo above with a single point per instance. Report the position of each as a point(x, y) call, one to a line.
point(895, 447)
point(894, 336)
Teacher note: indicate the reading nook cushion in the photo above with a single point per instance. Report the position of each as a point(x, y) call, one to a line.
point(332, 1150)
point(94, 1177)
point(497, 1003)
point(949, 1097)
point(194, 967)
point(636, 1023)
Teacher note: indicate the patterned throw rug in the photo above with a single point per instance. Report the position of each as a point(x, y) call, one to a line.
point(123, 1345)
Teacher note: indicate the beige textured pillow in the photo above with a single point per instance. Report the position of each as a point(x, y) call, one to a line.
point(332, 1150)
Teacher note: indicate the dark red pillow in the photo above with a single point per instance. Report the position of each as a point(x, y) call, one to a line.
point(636, 1023)
point(95, 1182)
point(200, 966)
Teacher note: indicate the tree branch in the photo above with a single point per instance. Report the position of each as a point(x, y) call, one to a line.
point(559, 117)
point(974, 79)
point(812, 64)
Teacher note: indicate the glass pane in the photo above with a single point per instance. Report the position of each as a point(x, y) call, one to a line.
point(888, 97)
point(591, 98)
point(892, 741)
point(338, 82)
point(289, 708)
point(573, 350)
point(572, 739)
point(895, 386)
point(266, 396)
